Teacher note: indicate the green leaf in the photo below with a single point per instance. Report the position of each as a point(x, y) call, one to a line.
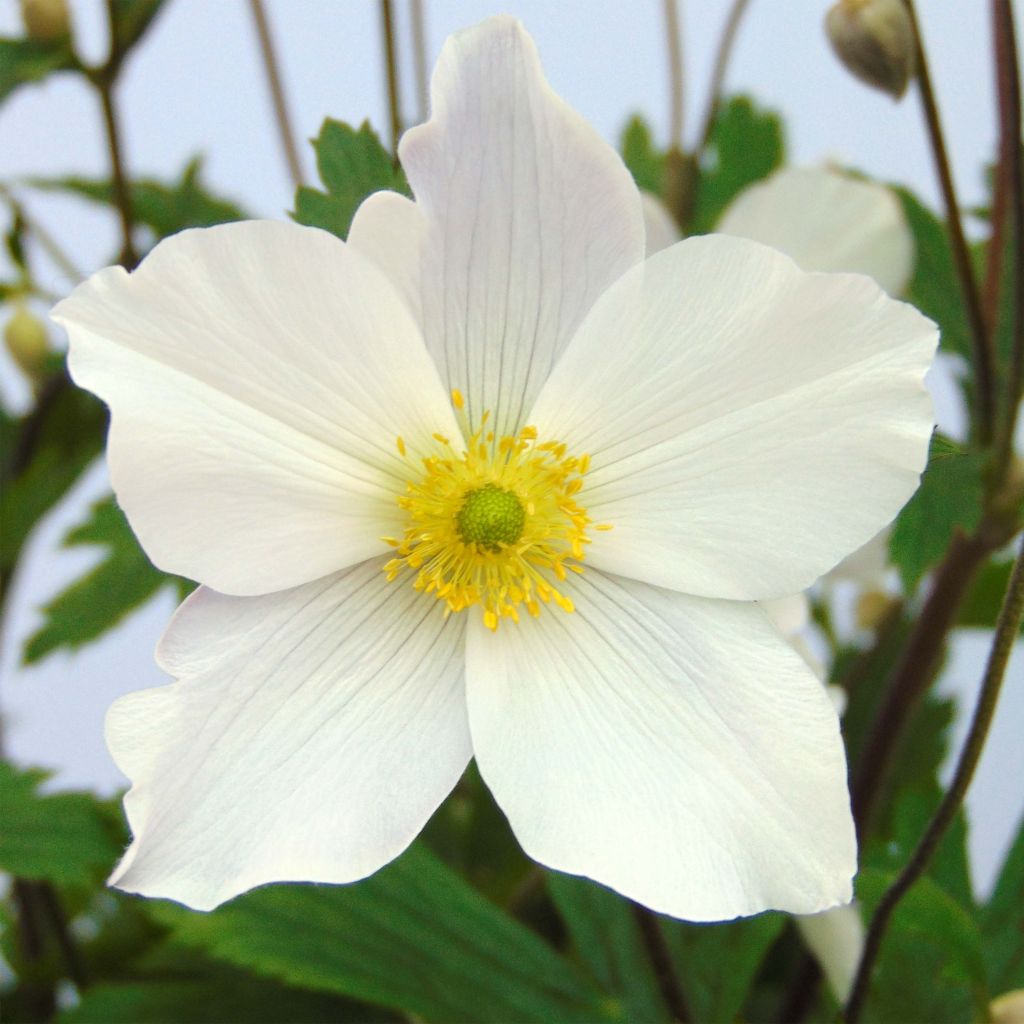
point(28, 60)
point(717, 963)
point(981, 606)
point(123, 580)
point(133, 18)
point(166, 208)
point(746, 145)
point(950, 496)
point(931, 966)
point(61, 838)
point(352, 164)
point(609, 943)
point(1002, 923)
point(646, 162)
point(413, 937)
point(934, 287)
point(67, 434)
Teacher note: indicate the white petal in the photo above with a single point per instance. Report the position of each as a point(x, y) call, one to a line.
point(671, 747)
point(836, 938)
point(868, 565)
point(789, 614)
point(257, 374)
point(389, 229)
point(749, 424)
point(530, 216)
point(312, 734)
point(826, 220)
point(660, 228)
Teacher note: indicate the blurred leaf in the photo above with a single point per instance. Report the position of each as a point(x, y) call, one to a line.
point(746, 145)
point(65, 434)
point(61, 838)
point(352, 164)
point(950, 496)
point(934, 287)
point(414, 937)
point(717, 963)
point(645, 161)
point(166, 208)
point(1002, 923)
point(133, 19)
point(29, 60)
point(981, 606)
point(609, 943)
point(123, 580)
point(931, 967)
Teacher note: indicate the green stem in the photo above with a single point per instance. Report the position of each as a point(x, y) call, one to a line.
point(387, 15)
point(1008, 624)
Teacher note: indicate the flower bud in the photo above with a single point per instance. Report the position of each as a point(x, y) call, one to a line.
point(26, 341)
point(1008, 1008)
point(872, 607)
point(46, 20)
point(875, 41)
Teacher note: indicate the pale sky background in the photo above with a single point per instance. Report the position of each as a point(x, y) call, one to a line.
point(196, 86)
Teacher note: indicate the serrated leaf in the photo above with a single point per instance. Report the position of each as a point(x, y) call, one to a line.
point(165, 207)
point(646, 162)
point(934, 287)
point(100, 599)
point(413, 937)
point(1002, 923)
point(950, 496)
point(746, 145)
point(931, 966)
point(609, 943)
point(60, 838)
point(28, 60)
point(352, 164)
point(66, 437)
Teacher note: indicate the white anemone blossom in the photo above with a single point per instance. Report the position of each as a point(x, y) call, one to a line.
point(483, 482)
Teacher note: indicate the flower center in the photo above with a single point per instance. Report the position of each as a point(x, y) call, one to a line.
point(491, 516)
point(496, 525)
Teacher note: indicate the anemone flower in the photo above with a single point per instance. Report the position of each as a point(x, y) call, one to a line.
point(484, 482)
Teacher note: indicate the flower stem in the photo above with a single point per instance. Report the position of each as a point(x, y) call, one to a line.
point(1008, 211)
point(272, 69)
point(661, 961)
point(981, 342)
point(717, 83)
point(387, 15)
point(419, 56)
point(1010, 616)
point(676, 93)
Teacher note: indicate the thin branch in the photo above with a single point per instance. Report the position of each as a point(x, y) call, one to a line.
point(717, 83)
point(1010, 616)
point(387, 18)
point(276, 86)
point(981, 342)
point(419, 57)
point(661, 961)
point(915, 669)
point(676, 91)
point(1010, 180)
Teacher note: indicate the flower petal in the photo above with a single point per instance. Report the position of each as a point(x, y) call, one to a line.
point(312, 734)
point(826, 220)
point(258, 375)
point(671, 747)
point(529, 214)
point(836, 938)
point(660, 229)
point(749, 424)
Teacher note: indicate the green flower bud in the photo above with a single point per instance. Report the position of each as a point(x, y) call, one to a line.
point(46, 20)
point(27, 343)
point(875, 41)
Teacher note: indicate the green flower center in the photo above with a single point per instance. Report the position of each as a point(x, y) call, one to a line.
point(491, 516)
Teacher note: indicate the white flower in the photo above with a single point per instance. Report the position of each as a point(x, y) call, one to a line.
point(738, 423)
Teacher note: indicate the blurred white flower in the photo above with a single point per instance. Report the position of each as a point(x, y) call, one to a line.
point(389, 461)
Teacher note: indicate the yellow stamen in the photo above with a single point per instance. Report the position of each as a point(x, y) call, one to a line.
point(496, 524)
